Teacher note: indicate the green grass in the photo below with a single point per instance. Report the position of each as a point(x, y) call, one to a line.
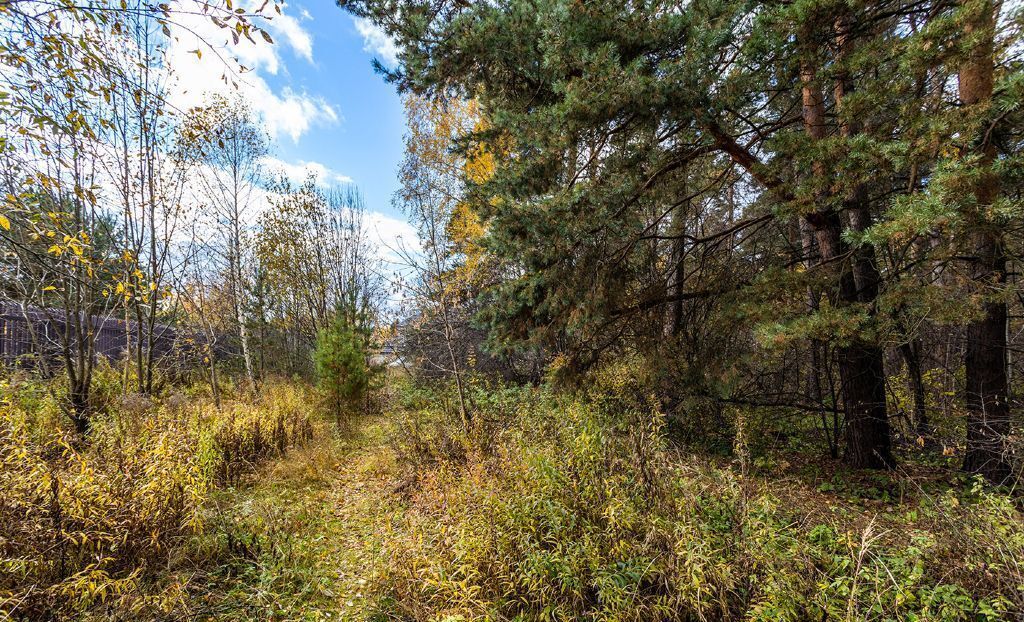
point(303, 540)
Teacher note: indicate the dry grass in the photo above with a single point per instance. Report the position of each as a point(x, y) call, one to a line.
point(92, 524)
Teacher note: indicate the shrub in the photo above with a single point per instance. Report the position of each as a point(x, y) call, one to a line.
point(583, 510)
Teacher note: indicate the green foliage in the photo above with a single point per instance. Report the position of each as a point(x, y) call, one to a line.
point(342, 362)
point(740, 191)
point(579, 508)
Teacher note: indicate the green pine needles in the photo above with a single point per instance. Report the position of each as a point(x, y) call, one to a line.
point(342, 362)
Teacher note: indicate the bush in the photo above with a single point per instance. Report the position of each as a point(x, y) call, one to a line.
point(581, 509)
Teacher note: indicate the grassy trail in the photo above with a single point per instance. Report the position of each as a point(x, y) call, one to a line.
point(305, 537)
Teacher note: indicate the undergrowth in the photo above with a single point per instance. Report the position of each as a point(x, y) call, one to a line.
point(90, 524)
point(553, 505)
point(559, 507)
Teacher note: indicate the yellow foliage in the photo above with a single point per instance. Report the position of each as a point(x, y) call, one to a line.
point(435, 128)
point(82, 523)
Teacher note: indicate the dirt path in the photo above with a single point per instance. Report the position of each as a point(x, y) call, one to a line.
point(304, 538)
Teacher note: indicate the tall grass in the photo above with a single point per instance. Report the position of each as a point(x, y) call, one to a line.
point(578, 507)
point(86, 523)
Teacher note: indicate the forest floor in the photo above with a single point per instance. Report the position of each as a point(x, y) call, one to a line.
point(338, 530)
point(306, 532)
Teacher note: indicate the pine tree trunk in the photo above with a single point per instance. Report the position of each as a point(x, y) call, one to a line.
point(814, 385)
point(911, 352)
point(985, 363)
point(873, 428)
point(985, 360)
point(988, 411)
point(677, 272)
point(860, 363)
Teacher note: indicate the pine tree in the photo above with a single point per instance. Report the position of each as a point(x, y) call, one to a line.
point(774, 178)
point(342, 363)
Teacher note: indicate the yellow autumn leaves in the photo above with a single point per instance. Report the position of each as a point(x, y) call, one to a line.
point(434, 128)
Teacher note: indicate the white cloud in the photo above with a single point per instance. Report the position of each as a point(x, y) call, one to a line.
point(287, 28)
point(376, 41)
point(285, 113)
point(391, 236)
point(291, 113)
point(297, 172)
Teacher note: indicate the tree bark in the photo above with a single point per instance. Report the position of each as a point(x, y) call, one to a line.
point(677, 271)
point(814, 385)
point(911, 352)
point(860, 362)
point(985, 360)
point(240, 300)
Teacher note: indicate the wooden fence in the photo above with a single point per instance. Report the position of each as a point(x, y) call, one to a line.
point(50, 328)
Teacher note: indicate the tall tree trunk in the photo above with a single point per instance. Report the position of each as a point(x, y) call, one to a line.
point(911, 352)
point(677, 272)
point(860, 362)
point(240, 314)
point(985, 360)
point(814, 385)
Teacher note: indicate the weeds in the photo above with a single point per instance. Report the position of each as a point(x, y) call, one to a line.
point(552, 506)
point(84, 523)
point(582, 509)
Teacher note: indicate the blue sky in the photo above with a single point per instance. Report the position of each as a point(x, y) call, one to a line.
point(365, 143)
point(324, 106)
